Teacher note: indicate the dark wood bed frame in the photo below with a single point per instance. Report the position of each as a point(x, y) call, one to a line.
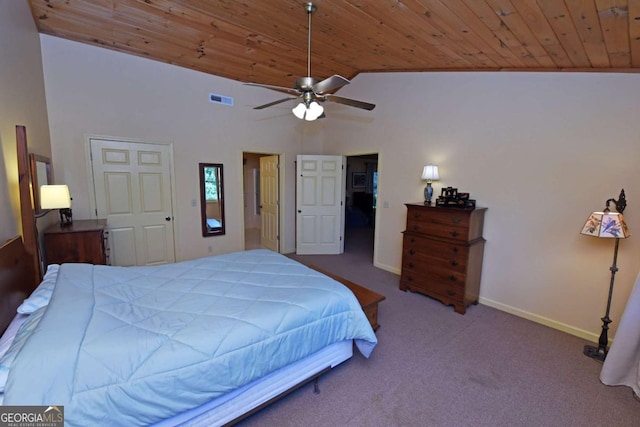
point(19, 261)
point(27, 214)
point(16, 278)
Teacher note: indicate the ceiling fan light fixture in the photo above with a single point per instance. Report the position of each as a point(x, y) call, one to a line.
point(308, 113)
point(311, 91)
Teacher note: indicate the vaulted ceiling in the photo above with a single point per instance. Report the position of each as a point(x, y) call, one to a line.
point(265, 41)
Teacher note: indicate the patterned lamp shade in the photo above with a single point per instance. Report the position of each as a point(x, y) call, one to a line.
point(606, 224)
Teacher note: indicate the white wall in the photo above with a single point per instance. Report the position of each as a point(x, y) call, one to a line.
point(541, 151)
point(94, 91)
point(21, 103)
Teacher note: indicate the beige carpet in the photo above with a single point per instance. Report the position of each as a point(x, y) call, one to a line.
point(434, 367)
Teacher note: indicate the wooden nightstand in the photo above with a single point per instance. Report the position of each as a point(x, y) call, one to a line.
point(83, 241)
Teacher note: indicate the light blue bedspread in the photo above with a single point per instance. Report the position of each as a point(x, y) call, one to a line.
point(135, 345)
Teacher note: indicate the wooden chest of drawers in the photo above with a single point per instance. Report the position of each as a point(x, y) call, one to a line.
point(442, 253)
point(83, 241)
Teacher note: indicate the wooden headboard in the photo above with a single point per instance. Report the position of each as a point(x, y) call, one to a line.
point(27, 214)
point(17, 279)
point(19, 259)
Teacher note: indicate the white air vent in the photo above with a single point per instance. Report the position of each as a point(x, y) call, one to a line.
point(221, 99)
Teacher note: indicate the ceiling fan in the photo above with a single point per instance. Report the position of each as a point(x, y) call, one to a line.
point(311, 91)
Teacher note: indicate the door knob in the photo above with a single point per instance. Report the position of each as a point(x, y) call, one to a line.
point(168, 218)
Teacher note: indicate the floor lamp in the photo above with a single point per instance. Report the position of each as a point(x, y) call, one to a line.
point(607, 224)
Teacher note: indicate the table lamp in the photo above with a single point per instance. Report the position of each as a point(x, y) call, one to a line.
point(57, 197)
point(429, 173)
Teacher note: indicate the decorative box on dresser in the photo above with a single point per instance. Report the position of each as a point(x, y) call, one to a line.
point(85, 240)
point(442, 253)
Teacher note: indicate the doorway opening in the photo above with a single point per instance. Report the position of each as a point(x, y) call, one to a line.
point(360, 204)
point(260, 172)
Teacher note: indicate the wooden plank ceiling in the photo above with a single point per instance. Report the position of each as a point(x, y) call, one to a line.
point(265, 41)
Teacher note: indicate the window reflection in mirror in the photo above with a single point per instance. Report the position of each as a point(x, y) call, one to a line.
point(212, 199)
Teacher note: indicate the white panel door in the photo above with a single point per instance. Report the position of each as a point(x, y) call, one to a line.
point(320, 205)
point(269, 203)
point(132, 186)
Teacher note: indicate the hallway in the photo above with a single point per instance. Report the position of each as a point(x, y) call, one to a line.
point(358, 243)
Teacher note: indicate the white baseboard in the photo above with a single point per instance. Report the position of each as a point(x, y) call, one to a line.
point(387, 268)
point(580, 333)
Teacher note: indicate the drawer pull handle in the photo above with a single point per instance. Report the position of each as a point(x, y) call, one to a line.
point(410, 265)
point(413, 240)
point(410, 279)
point(453, 278)
point(416, 215)
point(450, 292)
point(411, 252)
point(455, 233)
point(453, 262)
point(415, 227)
point(455, 250)
point(456, 220)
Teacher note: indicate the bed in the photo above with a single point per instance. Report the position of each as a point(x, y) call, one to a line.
point(165, 344)
point(201, 342)
point(213, 223)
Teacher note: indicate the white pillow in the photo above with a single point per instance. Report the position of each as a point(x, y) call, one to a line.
point(21, 336)
point(41, 296)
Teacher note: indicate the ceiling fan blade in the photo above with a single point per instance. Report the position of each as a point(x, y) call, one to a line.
point(350, 102)
point(330, 83)
point(288, 90)
point(279, 101)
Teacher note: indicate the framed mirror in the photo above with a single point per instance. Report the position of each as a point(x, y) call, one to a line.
point(212, 199)
point(40, 170)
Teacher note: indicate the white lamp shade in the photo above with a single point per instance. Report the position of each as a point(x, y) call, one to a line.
point(430, 172)
point(314, 111)
point(606, 224)
point(54, 197)
point(299, 110)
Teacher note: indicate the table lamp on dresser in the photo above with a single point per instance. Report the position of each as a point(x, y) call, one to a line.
point(57, 197)
point(429, 173)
